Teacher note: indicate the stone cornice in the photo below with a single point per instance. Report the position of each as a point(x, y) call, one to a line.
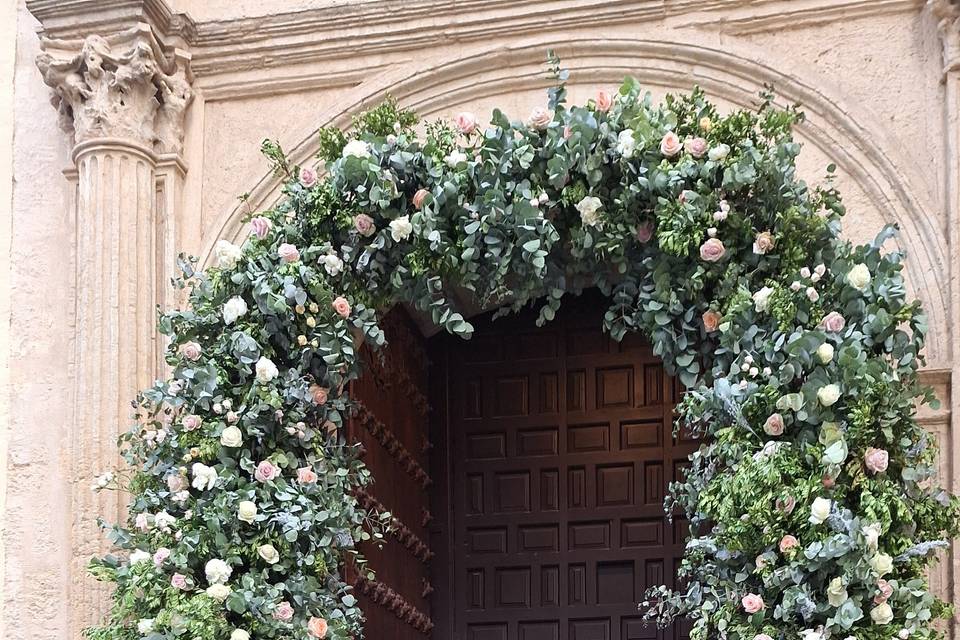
point(67, 19)
point(390, 26)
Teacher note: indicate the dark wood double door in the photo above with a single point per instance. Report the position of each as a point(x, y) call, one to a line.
point(550, 450)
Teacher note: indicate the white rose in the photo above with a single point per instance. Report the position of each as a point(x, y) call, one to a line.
point(761, 299)
point(227, 254)
point(812, 294)
point(825, 353)
point(269, 553)
point(871, 535)
point(332, 263)
point(204, 477)
point(233, 309)
point(145, 626)
point(820, 510)
point(239, 634)
point(589, 208)
point(218, 592)
point(836, 593)
point(231, 437)
point(139, 555)
point(247, 511)
point(882, 564)
point(804, 272)
point(881, 614)
point(266, 370)
point(811, 634)
point(859, 276)
point(401, 228)
point(356, 148)
point(828, 394)
point(626, 143)
point(217, 571)
point(164, 521)
point(718, 152)
point(455, 158)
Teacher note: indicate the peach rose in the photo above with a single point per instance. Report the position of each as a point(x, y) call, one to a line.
point(876, 460)
point(317, 627)
point(695, 146)
point(364, 225)
point(341, 306)
point(419, 197)
point(266, 471)
point(466, 122)
point(670, 144)
point(711, 320)
point(306, 475)
point(752, 603)
point(712, 250)
point(645, 232)
point(763, 242)
point(774, 425)
point(191, 422)
point(540, 118)
point(288, 252)
point(191, 351)
point(260, 226)
point(788, 542)
point(308, 177)
point(833, 322)
point(319, 393)
point(604, 101)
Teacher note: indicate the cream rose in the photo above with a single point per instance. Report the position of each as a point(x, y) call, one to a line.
point(234, 308)
point(357, 149)
point(218, 592)
point(820, 510)
point(455, 158)
point(240, 634)
point(859, 276)
point(871, 535)
point(825, 353)
point(589, 209)
point(231, 437)
point(718, 153)
point(882, 613)
point(204, 477)
point(269, 553)
point(828, 394)
point(217, 571)
point(836, 592)
point(266, 370)
point(626, 143)
point(761, 299)
point(247, 511)
point(882, 564)
point(332, 263)
point(227, 254)
point(401, 228)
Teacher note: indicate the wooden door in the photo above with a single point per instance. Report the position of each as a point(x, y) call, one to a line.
point(391, 424)
point(555, 449)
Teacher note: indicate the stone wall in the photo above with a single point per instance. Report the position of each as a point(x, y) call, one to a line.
point(105, 194)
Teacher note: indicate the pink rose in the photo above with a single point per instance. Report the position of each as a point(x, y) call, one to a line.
point(160, 555)
point(828, 481)
point(341, 306)
point(306, 475)
point(788, 542)
point(886, 590)
point(419, 197)
point(833, 322)
point(364, 225)
point(763, 242)
point(762, 636)
point(179, 581)
point(175, 483)
point(260, 226)
point(774, 425)
point(308, 177)
point(540, 118)
point(266, 471)
point(711, 320)
point(191, 422)
point(466, 122)
point(191, 351)
point(695, 146)
point(317, 627)
point(288, 252)
point(645, 232)
point(283, 612)
point(876, 460)
point(604, 101)
point(567, 132)
point(752, 603)
point(786, 504)
point(712, 250)
point(142, 522)
point(670, 144)
point(319, 393)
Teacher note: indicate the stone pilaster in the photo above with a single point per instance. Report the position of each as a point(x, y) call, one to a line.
point(122, 96)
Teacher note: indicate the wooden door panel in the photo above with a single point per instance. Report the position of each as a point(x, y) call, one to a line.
point(560, 448)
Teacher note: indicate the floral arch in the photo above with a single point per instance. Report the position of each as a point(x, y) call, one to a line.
point(811, 503)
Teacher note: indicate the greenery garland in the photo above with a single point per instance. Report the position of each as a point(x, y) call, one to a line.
point(811, 503)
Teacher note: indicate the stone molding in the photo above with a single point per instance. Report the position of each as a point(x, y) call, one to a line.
point(123, 86)
point(947, 14)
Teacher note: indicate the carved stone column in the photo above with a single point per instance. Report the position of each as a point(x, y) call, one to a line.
point(122, 96)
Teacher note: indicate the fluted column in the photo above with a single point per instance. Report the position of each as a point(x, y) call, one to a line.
point(122, 96)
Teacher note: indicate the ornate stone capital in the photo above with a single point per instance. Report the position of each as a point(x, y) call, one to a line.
point(947, 13)
point(122, 86)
